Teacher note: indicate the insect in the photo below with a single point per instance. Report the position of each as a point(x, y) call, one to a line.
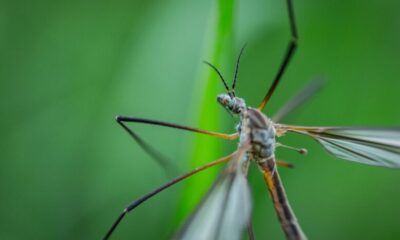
point(225, 211)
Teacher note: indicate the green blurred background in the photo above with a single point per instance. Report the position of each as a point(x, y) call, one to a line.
point(68, 67)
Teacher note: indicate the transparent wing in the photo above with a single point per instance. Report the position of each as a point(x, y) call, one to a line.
point(373, 146)
point(299, 99)
point(225, 210)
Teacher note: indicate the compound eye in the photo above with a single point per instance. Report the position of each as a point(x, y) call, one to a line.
point(227, 102)
point(221, 99)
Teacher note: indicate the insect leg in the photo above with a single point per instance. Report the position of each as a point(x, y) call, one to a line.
point(288, 56)
point(162, 160)
point(147, 196)
point(283, 163)
point(122, 119)
point(250, 231)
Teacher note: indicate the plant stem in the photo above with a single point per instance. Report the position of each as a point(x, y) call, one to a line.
point(204, 148)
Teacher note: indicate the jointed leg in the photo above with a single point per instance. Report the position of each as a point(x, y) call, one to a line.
point(166, 164)
point(122, 119)
point(139, 201)
point(288, 56)
point(250, 231)
point(283, 163)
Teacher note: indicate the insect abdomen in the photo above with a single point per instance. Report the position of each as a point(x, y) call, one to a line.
point(285, 213)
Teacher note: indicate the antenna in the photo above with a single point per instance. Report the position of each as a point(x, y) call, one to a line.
point(237, 69)
point(220, 76)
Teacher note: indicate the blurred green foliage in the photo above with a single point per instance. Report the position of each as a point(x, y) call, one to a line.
point(68, 67)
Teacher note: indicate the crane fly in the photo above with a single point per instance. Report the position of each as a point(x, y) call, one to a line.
point(225, 211)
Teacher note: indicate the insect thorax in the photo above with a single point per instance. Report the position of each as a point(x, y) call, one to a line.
point(255, 128)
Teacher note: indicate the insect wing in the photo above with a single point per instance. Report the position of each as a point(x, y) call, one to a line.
point(225, 210)
point(373, 146)
point(298, 100)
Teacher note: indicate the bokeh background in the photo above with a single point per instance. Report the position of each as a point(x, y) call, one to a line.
point(68, 67)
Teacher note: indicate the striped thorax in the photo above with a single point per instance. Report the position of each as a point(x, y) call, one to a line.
point(254, 128)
